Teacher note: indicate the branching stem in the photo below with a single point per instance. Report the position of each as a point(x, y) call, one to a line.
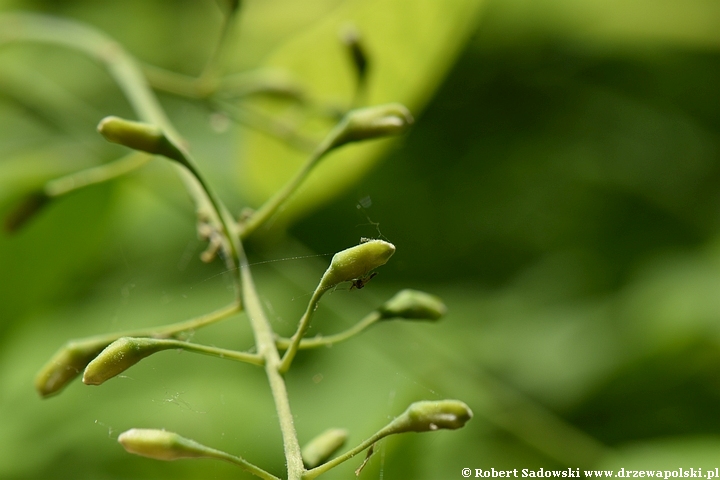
point(302, 329)
point(321, 341)
point(128, 74)
point(91, 176)
point(380, 434)
point(265, 341)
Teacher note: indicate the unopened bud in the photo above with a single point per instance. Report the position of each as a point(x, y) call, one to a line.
point(427, 416)
point(351, 38)
point(25, 210)
point(120, 355)
point(413, 305)
point(230, 5)
point(372, 122)
point(320, 448)
point(66, 364)
point(356, 262)
point(138, 136)
point(162, 445)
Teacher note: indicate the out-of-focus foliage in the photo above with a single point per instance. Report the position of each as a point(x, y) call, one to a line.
point(561, 193)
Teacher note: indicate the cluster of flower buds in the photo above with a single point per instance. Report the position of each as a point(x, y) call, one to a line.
point(67, 363)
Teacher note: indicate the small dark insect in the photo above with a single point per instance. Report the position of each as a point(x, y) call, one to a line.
point(360, 282)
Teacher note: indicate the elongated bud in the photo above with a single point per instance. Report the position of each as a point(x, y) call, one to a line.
point(427, 416)
point(231, 6)
point(351, 38)
point(356, 262)
point(25, 210)
point(162, 445)
point(372, 122)
point(413, 305)
point(138, 136)
point(120, 355)
point(321, 448)
point(67, 363)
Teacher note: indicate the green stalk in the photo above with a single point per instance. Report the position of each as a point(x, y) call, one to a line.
point(302, 328)
point(320, 341)
point(270, 207)
point(251, 358)
point(91, 176)
point(382, 433)
point(265, 341)
point(72, 358)
point(267, 125)
point(127, 73)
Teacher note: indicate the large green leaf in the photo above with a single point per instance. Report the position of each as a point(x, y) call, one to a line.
point(634, 23)
point(411, 45)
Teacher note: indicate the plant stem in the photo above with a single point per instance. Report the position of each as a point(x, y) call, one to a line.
point(173, 82)
point(128, 75)
point(265, 124)
point(167, 344)
point(170, 330)
point(302, 328)
point(254, 469)
point(320, 341)
point(197, 322)
point(270, 207)
point(264, 339)
point(208, 77)
point(91, 176)
point(382, 433)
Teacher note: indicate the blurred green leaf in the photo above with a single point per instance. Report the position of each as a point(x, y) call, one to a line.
point(411, 45)
point(667, 454)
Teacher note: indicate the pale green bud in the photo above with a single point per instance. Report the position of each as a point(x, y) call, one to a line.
point(25, 210)
point(66, 364)
point(427, 416)
point(413, 305)
point(372, 122)
point(138, 136)
point(120, 355)
point(230, 5)
point(351, 38)
point(162, 445)
point(356, 262)
point(320, 448)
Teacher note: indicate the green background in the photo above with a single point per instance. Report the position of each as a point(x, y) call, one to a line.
point(560, 190)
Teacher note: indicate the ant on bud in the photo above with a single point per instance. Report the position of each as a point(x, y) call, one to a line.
point(360, 282)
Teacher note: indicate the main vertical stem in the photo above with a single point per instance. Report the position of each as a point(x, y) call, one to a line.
point(265, 342)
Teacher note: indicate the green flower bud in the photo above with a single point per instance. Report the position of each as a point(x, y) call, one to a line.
point(231, 5)
point(351, 38)
point(356, 262)
point(413, 305)
point(428, 416)
point(25, 210)
point(162, 445)
point(372, 122)
point(66, 364)
point(320, 448)
point(120, 355)
point(138, 136)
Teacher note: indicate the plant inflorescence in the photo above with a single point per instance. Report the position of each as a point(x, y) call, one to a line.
point(101, 358)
